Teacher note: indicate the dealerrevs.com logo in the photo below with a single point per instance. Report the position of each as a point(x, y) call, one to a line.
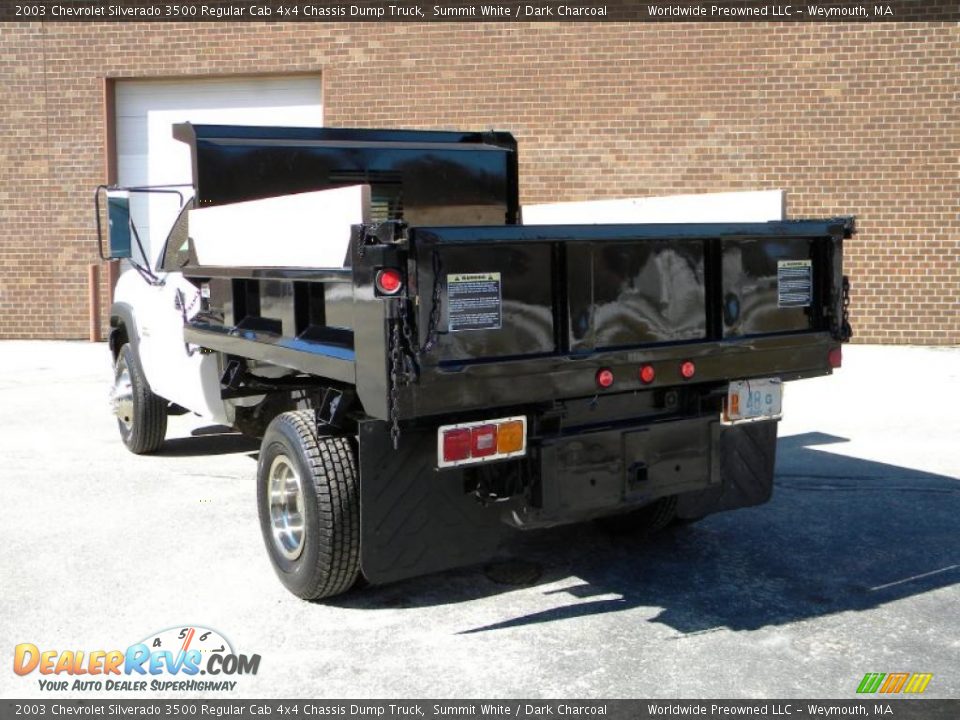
point(172, 660)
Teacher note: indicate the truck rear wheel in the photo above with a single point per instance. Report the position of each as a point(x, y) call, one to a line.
point(141, 415)
point(308, 497)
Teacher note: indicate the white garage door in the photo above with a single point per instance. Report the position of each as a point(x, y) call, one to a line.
point(147, 154)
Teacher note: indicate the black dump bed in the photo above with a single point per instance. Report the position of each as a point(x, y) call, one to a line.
point(552, 304)
point(426, 177)
point(498, 314)
point(579, 289)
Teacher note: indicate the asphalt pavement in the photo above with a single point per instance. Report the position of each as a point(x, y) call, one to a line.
point(852, 568)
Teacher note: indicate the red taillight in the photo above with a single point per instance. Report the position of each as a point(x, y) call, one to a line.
point(483, 441)
point(456, 445)
point(835, 357)
point(688, 369)
point(647, 374)
point(605, 377)
point(389, 281)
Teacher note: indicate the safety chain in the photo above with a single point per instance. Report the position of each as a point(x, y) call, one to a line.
point(404, 351)
point(396, 368)
point(405, 313)
point(404, 360)
point(436, 298)
point(846, 332)
point(405, 322)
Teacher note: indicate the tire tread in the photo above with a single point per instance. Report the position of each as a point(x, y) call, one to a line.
point(335, 479)
point(149, 410)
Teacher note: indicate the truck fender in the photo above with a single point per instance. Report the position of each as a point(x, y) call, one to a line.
point(123, 328)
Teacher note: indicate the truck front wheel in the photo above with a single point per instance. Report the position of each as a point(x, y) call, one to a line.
point(141, 415)
point(308, 494)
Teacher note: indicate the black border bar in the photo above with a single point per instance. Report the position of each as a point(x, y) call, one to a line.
point(884, 706)
point(503, 11)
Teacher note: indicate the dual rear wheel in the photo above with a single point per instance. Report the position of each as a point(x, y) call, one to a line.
point(308, 489)
point(308, 496)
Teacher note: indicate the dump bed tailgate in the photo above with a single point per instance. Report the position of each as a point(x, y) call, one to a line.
point(514, 292)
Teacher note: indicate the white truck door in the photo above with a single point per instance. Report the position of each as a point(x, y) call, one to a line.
point(176, 371)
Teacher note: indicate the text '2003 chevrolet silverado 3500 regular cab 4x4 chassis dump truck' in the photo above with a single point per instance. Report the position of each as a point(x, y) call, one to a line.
point(429, 375)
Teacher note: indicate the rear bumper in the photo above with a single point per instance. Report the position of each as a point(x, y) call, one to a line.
point(518, 382)
point(709, 466)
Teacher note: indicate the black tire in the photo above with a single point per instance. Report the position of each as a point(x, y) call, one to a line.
point(644, 522)
point(141, 415)
point(325, 559)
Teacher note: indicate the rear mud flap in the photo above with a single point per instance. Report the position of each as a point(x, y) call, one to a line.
point(743, 460)
point(415, 520)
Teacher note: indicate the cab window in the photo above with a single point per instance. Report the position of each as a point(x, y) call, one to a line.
point(176, 252)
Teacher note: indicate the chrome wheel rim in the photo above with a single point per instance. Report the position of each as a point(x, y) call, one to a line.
point(286, 507)
point(121, 396)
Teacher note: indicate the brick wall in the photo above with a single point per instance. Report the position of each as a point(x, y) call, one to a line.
point(849, 118)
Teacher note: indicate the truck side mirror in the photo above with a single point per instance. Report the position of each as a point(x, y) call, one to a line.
point(118, 221)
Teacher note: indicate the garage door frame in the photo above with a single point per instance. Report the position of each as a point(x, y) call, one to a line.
point(109, 109)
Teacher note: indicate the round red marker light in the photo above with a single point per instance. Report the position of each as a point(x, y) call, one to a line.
point(688, 369)
point(605, 377)
point(389, 281)
point(835, 358)
point(647, 374)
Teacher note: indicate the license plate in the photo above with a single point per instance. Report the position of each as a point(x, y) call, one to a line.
point(750, 400)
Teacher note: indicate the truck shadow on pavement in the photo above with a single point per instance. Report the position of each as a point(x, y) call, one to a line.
point(841, 534)
point(209, 440)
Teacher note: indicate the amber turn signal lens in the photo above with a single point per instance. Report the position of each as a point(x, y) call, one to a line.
point(510, 437)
